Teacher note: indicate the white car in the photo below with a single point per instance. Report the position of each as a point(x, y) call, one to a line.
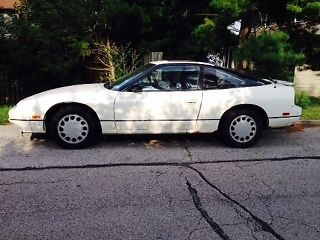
point(162, 97)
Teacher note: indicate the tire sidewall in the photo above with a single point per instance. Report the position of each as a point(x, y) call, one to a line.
point(225, 128)
point(89, 140)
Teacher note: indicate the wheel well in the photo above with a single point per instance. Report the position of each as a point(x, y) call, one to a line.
point(255, 108)
point(54, 109)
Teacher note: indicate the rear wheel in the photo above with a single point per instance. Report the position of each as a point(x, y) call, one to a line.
point(241, 128)
point(73, 127)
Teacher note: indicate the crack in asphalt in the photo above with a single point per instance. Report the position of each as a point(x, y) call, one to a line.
point(292, 221)
point(170, 198)
point(189, 152)
point(195, 228)
point(159, 164)
point(264, 225)
point(32, 183)
point(197, 202)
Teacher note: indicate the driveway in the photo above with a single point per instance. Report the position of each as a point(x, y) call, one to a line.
point(161, 187)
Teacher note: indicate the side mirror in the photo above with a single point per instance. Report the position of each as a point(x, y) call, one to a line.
point(137, 87)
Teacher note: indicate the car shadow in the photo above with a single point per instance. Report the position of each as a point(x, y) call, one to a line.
point(270, 138)
point(153, 140)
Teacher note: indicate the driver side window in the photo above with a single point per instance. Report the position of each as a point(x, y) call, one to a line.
point(172, 78)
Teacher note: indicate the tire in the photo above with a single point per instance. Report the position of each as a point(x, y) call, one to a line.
point(241, 128)
point(73, 127)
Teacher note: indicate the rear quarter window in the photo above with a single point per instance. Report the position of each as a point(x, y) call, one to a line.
point(215, 78)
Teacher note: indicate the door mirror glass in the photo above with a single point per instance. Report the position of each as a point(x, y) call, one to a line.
point(137, 87)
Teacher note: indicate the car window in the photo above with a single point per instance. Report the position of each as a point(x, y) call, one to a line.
point(127, 78)
point(214, 78)
point(172, 78)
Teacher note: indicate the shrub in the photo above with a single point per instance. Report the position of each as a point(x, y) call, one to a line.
point(114, 61)
point(269, 54)
point(302, 99)
point(4, 109)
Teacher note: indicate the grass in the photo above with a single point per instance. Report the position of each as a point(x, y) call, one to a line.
point(312, 112)
point(4, 109)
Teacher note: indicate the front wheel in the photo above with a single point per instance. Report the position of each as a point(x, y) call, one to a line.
point(73, 127)
point(241, 128)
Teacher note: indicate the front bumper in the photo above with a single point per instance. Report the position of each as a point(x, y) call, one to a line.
point(26, 125)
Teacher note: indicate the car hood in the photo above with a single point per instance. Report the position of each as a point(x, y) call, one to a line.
point(70, 91)
point(92, 95)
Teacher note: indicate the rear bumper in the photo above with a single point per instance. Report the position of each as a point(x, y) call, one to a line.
point(284, 121)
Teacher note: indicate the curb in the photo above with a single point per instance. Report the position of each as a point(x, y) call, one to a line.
point(309, 123)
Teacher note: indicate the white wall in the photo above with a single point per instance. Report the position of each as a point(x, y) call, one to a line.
point(307, 81)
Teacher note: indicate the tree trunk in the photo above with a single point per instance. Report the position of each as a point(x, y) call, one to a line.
point(248, 23)
point(112, 74)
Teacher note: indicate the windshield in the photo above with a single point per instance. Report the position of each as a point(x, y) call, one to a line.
point(123, 80)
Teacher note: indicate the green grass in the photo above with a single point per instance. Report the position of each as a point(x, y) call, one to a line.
point(4, 109)
point(312, 112)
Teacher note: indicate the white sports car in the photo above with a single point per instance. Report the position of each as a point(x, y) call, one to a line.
point(162, 97)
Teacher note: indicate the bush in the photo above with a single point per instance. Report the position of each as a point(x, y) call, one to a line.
point(269, 54)
point(303, 100)
point(4, 109)
point(114, 61)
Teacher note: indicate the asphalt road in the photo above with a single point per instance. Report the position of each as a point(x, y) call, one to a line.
point(161, 187)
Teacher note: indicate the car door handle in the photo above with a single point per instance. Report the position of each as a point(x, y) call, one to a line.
point(192, 101)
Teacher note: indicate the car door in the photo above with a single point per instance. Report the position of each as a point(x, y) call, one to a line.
point(168, 101)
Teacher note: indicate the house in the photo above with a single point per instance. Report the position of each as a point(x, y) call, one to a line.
point(306, 79)
point(7, 9)
point(7, 5)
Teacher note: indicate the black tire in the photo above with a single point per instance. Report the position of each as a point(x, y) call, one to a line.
point(73, 127)
point(241, 128)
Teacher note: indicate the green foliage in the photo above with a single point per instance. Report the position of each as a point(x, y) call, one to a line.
point(306, 38)
point(53, 42)
point(294, 8)
point(170, 28)
point(302, 100)
point(114, 61)
point(203, 33)
point(4, 109)
point(307, 9)
point(234, 8)
point(307, 42)
point(270, 49)
point(51, 38)
point(270, 53)
point(3, 29)
point(312, 112)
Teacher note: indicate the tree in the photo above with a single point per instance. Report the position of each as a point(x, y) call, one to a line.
point(56, 40)
point(271, 55)
point(170, 27)
point(114, 61)
point(279, 22)
point(49, 52)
